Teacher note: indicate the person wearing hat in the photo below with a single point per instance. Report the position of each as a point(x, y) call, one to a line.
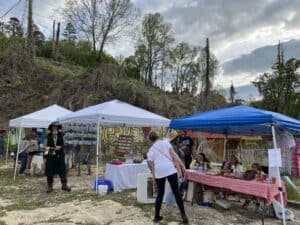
point(173, 138)
point(55, 158)
point(187, 145)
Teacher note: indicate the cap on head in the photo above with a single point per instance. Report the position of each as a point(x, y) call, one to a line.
point(172, 135)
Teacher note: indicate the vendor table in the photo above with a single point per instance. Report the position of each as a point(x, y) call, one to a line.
point(125, 176)
point(268, 192)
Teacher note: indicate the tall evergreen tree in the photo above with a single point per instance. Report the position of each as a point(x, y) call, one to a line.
point(70, 33)
point(232, 93)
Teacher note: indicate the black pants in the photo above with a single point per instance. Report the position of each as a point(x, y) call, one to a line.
point(63, 179)
point(173, 181)
point(187, 161)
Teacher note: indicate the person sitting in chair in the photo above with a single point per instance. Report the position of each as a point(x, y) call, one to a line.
point(256, 169)
point(233, 165)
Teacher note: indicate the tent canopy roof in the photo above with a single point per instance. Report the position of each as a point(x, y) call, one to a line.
point(41, 118)
point(116, 112)
point(243, 120)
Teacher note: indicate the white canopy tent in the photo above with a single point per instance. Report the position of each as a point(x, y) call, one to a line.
point(114, 113)
point(39, 119)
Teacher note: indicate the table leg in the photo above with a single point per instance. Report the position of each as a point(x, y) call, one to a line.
point(263, 213)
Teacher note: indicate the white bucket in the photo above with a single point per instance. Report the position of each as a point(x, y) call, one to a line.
point(102, 190)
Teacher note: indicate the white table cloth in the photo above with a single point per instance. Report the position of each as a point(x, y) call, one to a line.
point(125, 176)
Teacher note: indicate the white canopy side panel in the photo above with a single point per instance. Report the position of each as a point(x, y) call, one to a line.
point(116, 112)
point(41, 118)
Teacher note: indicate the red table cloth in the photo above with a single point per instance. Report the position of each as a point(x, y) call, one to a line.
point(264, 190)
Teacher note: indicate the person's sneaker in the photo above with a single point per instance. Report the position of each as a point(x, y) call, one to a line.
point(258, 209)
point(49, 190)
point(157, 219)
point(246, 204)
point(66, 188)
point(185, 220)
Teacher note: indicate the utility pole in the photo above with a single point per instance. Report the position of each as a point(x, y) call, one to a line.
point(207, 83)
point(57, 41)
point(53, 40)
point(30, 38)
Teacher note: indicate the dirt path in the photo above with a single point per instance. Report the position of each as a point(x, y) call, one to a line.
point(25, 202)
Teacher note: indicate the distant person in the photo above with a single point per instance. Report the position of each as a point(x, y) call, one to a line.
point(69, 150)
point(1, 146)
point(233, 165)
point(34, 147)
point(55, 158)
point(200, 161)
point(162, 159)
point(257, 171)
point(186, 144)
point(174, 140)
point(23, 153)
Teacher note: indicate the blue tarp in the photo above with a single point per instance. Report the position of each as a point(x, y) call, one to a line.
point(244, 120)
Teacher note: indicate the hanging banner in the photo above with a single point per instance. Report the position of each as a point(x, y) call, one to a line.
point(274, 156)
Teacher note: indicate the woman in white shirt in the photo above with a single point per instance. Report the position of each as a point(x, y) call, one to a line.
point(162, 164)
point(233, 165)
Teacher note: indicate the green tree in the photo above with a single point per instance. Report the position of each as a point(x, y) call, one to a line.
point(39, 37)
point(70, 33)
point(99, 21)
point(279, 87)
point(13, 28)
point(232, 93)
point(184, 69)
point(155, 39)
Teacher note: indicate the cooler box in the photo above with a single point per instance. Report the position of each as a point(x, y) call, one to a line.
point(145, 192)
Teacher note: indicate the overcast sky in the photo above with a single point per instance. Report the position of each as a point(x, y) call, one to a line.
point(242, 33)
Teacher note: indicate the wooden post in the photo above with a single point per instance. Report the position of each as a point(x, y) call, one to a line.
point(30, 37)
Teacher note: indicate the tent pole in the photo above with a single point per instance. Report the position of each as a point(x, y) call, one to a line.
point(7, 146)
point(224, 152)
point(279, 178)
point(17, 156)
point(100, 144)
point(97, 157)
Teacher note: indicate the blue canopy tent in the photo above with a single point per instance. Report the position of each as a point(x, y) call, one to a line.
point(242, 120)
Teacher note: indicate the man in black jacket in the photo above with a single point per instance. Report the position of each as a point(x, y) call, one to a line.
point(55, 158)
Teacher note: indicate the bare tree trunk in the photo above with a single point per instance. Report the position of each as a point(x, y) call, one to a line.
point(30, 38)
point(57, 41)
point(53, 40)
point(100, 54)
point(93, 25)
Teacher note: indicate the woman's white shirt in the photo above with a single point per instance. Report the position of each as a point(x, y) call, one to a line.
point(24, 145)
point(159, 153)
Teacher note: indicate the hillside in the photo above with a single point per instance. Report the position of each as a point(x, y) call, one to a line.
point(27, 86)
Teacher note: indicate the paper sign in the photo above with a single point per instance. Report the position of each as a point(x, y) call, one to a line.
point(275, 157)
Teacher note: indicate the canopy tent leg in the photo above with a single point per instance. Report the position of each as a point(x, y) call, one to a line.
point(279, 179)
point(17, 156)
point(97, 158)
point(224, 152)
point(7, 146)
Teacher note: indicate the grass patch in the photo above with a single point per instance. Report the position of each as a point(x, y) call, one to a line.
point(293, 194)
point(57, 220)
point(2, 222)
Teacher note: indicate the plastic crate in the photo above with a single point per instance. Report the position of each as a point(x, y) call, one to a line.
point(103, 182)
